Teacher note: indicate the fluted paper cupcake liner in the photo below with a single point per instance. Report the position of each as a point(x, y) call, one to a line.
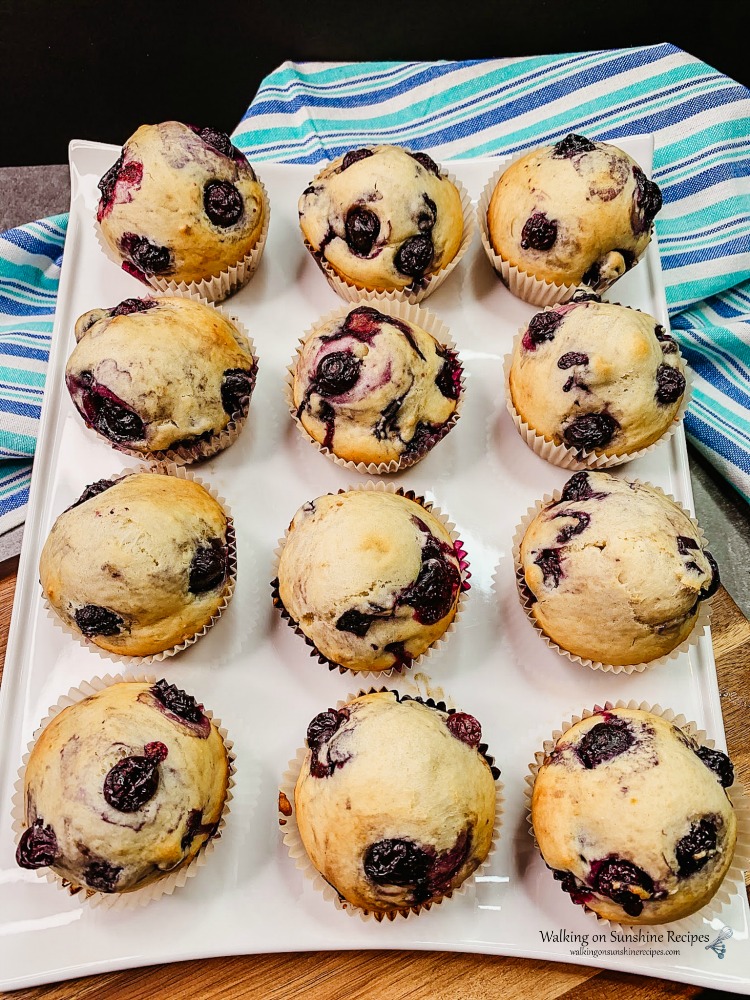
point(132, 662)
point(351, 292)
point(415, 315)
point(171, 880)
point(733, 882)
point(523, 285)
point(382, 487)
point(205, 447)
point(298, 854)
point(699, 628)
point(214, 288)
point(570, 458)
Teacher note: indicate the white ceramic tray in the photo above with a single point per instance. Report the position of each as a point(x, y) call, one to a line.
point(256, 674)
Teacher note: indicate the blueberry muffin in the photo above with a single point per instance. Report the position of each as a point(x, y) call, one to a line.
point(180, 203)
point(395, 802)
point(630, 813)
point(382, 217)
point(160, 373)
point(614, 571)
point(123, 787)
point(595, 376)
point(577, 212)
point(138, 565)
point(371, 579)
point(374, 388)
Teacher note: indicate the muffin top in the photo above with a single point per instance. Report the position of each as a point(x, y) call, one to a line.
point(180, 203)
point(138, 565)
point(615, 570)
point(372, 579)
point(576, 212)
point(155, 373)
point(631, 814)
point(383, 217)
point(395, 802)
point(596, 376)
point(373, 388)
point(123, 787)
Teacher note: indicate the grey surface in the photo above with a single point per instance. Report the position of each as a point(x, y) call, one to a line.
point(28, 193)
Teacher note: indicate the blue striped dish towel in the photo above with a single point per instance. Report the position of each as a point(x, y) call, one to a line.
point(305, 113)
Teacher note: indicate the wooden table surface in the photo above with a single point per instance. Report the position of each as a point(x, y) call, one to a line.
point(405, 975)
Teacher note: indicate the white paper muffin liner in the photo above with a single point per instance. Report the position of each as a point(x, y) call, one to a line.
point(734, 880)
point(699, 628)
point(214, 288)
point(200, 450)
point(133, 662)
point(413, 314)
point(296, 848)
point(171, 880)
point(350, 292)
point(567, 458)
point(523, 285)
point(382, 487)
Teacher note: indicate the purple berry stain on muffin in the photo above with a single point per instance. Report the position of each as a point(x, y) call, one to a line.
point(404, 863)
point(362, 228)
point(719, 763)
point(541, 328)
point(590, 430)
point(670, 384)
point(94, 490)
point(145, 257)
point(465, 728)
point(353, 156)
point(579, 893)
point(624, 883)
point(434, 592)
point(604, 741)
point(355, 622)
point(694, 850)
point(117, 184)
point(219, 141)
point(571, 359)
point(448, 379)
point(133, 781)
point(129, 306)
point(668, 346)
point(579, 487)
point(223, 203)
point(195, 826)
point(647, 202)
point(237, 386)
point(538, 233)
point(548, 562)
point(103, 410)
point(426, 161)
point(208, 567)
point(325, 758)
point(37, 847)
point(337, 373)
point(572, 145)
point(715, 580)
point(182, 706)
point(583, 520)
point(414, 256)
point(101, 875)
point(94, 620)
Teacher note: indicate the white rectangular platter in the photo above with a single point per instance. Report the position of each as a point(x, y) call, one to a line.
point(258, 677)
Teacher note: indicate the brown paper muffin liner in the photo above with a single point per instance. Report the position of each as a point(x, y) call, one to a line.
point(217, 287)
point(397, 310)
point(203, 447)
point(351, 292)
point(132, 662)
point(298, 854)
point(523, 285)
point(734, 880)
point(568, 458)
point(171, 880)
point(699, 628)
point(398, 668)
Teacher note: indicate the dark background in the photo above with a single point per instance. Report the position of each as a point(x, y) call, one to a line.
point(92, 69)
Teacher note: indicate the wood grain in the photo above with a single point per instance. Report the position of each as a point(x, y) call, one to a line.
point(405, 975)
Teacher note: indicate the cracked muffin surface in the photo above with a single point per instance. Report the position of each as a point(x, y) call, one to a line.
point(372, 579)
point(631, 814)
point(373, 388)
point(595, 376)
point(395, 802)
point(180, 203)
point(615, 570)
point(139, 565)
point(155, 373)
point(123, 787)
point(577, 212)
point(382, 217)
